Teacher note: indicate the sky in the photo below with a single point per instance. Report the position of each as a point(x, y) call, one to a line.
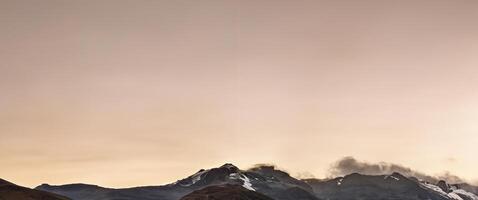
point(126, 93)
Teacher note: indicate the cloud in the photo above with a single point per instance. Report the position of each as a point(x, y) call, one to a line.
point(451, 178)
point(268, 166)
point(348, 165)
point(304, 175)
point(263, 166)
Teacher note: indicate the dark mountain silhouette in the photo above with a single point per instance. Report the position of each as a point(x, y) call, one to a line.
point(278, 185)
point(10, 191)
point(225, 192)
point(268, 181)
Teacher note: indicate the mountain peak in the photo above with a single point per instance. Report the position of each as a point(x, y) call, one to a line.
point(208, 176)
point(230, 166)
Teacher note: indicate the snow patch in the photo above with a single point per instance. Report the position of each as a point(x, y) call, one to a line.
point(195, 178)
point(339, 182)
point(391, 176)
point(247, 183)
point(454, 196)
point(234, 176)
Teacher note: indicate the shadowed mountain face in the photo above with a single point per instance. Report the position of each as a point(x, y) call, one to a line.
point(10, 191)
point(225, 192)
point(277, 185)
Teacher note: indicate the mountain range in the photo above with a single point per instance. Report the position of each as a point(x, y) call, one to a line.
point(260, 183)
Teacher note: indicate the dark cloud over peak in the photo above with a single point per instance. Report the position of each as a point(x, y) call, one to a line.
point(263, 165)
point(348, 165)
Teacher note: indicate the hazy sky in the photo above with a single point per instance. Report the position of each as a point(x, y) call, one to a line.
point(123, 93)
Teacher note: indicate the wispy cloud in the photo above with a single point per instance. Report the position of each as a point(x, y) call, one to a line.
point(348, 165)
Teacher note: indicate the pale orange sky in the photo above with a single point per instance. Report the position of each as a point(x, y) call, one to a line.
point(125, 93)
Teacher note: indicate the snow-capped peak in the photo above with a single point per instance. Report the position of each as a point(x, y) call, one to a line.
point(227, 173)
